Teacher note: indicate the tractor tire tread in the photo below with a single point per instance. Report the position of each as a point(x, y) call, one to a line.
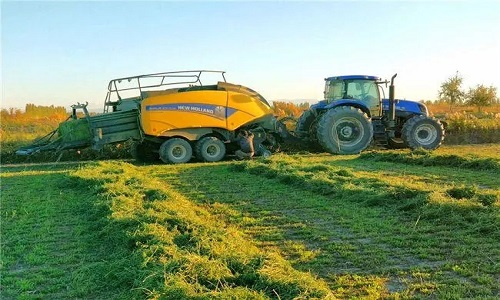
point(326, 122)
point(409, 127)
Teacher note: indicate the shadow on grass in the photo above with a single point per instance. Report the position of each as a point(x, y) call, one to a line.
point(57, 239)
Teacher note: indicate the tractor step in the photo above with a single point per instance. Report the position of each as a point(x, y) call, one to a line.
point(379, 133)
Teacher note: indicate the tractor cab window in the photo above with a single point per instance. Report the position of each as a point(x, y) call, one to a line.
point(359, 89)
point(364, 90)
point(334, 90)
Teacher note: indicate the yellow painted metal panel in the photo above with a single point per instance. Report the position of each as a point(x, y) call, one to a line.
point(247, 109)
point(227, 106)
point(192, 109)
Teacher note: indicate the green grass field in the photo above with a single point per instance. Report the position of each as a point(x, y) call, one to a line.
point(383, 224)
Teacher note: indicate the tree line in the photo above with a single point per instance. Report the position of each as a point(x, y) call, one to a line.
point(33, 111)
point(452, 92)
point(289, 109)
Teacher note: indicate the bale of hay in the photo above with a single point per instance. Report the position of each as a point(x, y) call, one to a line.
point(75, 131)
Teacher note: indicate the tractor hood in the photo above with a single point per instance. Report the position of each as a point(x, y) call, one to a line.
point(409, 106)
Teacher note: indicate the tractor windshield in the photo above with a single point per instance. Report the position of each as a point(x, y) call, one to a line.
point(334, 90)
point(359, 89)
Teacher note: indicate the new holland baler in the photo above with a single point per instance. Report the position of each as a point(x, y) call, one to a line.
point(170, 116)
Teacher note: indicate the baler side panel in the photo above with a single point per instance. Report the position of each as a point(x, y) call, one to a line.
point(195, 109)
point(114, 127)
point(201, 109)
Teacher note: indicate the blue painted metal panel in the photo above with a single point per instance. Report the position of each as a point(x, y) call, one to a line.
point(321, 104)
point(406, 106)
point(346, 102)
point(353, 77)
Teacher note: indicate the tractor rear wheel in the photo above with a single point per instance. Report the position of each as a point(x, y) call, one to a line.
point(176, 151)
point(344, 130)
point(144, 152)
point(210, 149)
point(423, 132)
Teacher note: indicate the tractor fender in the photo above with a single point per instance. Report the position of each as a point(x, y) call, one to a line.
point(348, 102)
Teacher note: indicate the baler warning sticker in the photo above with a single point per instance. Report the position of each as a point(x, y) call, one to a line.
point(216, 111)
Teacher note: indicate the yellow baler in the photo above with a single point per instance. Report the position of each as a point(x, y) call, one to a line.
point(170, 116)
point(201, 121)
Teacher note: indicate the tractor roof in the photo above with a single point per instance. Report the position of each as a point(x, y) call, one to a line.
point(353, 77)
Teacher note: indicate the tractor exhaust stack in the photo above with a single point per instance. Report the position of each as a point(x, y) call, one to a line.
point(391, 122)
point(392, 103)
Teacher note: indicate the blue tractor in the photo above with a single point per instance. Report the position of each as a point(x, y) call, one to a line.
point(355, 114)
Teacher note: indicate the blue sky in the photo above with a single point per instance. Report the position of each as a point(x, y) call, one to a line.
point(66, 52)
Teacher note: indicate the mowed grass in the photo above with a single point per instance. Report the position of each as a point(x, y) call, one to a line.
point(127, 235)
point(370, 229)
point(52, 245)
point(385, 224)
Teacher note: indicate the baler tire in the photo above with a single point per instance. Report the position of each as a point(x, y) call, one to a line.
point(176, 151)
point(144, 152)
point(210, 149)
point(344, 130)
point(423, 132)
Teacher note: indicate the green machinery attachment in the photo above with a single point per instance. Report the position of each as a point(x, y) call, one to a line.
point(95, 131)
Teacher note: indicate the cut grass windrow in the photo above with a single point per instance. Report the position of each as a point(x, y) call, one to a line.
point(462, 206)
point(366, 237)
point(425, 158)
point(186, 251)
point(449, 224)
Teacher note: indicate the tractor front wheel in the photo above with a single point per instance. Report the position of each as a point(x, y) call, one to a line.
point(344, 130)
point(423, 132)
point(210, 149)
point(176, 151)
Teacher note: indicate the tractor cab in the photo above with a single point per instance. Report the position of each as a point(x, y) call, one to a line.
point(355, 88)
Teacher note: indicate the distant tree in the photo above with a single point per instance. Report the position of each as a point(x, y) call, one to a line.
point(289, 109)
point(451, 91)
point(482, 96)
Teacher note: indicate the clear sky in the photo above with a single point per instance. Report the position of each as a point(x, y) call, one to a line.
point(66, 52)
